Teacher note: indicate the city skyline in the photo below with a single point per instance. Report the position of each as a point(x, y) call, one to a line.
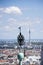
point(25, 13)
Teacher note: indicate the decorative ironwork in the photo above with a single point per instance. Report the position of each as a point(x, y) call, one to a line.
point(20, 39)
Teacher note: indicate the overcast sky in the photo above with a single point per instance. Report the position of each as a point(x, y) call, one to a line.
point(24, 13)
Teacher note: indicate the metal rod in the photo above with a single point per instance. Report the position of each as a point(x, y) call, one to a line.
point(20, 29)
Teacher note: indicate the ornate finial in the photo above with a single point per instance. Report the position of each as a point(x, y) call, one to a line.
point(19, 29)
point(20, 38)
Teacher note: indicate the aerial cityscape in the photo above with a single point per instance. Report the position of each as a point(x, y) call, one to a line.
point(9, 50)
point(21, 32)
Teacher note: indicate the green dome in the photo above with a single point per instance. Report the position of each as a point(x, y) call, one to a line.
point(20, 56)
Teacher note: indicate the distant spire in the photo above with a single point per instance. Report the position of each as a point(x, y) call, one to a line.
point(29, 35)
point(29, 31)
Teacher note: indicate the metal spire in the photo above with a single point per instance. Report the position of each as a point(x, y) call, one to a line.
point(19, 29)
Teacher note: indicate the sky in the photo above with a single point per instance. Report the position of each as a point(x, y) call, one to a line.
point(25, 13)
